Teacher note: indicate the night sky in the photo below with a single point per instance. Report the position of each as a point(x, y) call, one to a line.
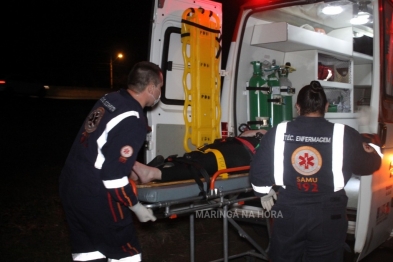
point(69, 43)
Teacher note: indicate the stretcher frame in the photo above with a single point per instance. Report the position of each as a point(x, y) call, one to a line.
point(215, 199)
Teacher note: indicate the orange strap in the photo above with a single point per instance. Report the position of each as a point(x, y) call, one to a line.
point(133, 185)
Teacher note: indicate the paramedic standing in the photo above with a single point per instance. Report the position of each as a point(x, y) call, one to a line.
point(94, 186)
point(310, 160)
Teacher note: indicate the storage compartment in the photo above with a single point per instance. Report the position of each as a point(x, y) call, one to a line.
point(362, 97)
point(362, 75)
point(339, 100)
point(284, 37)
point(333, 69)
point(287, 36)
point(338, 89)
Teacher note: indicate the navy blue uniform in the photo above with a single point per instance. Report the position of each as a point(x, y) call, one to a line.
point(94, 185)
point(312, 160)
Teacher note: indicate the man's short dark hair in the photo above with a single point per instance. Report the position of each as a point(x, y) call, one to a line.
point(142, 74)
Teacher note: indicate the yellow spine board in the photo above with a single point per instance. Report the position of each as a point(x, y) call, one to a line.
point(201, 79)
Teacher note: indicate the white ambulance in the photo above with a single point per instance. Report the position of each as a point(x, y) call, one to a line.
point(278, 47)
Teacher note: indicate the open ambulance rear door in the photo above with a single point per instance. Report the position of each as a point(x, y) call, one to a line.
point(360, 84)
point(167, 118)
point(375, 216)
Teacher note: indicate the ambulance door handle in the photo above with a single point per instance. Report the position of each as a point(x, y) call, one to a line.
point(161, 3)
point(382, 133)
point(169, 65)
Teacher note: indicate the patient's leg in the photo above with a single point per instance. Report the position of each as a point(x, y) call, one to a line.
point(145, 173)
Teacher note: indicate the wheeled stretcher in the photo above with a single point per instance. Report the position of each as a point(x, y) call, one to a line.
point(171, 199)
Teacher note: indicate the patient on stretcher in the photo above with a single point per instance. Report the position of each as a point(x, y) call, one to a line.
point(202, 163)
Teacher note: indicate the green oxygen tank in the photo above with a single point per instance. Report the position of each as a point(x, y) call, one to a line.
point(257, 100)
point(275, 96)
point(286, 107)
point(286, 91)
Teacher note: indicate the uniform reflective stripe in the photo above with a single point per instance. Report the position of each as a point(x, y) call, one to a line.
point(101, 141)
point(134, 258)
point(261, 189)
point(279, 154)
point(87, 256)
point(116, 183)
point(337, 157)
point(377, 148)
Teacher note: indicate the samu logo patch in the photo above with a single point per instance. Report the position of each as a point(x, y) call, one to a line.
point(306, 160)
point(125, 153)
point(94, 119)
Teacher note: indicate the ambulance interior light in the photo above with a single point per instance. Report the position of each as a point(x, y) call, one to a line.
point(332, 10)
point(361, 18)
point(362, 15)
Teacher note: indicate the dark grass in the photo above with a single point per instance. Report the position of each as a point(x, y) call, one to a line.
point(33, 224)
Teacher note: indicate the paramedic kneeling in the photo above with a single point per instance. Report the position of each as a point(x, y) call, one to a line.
point(94, 186)
point(310, 160)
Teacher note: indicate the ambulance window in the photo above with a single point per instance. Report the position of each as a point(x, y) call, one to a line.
point(172, 66)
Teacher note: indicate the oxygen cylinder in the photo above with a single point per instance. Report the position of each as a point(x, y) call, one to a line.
point(286, 107)
point(276, 106)
point(286, 92)
point(259, 110)
point(275, 97)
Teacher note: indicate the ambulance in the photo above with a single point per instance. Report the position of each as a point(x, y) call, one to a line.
point(277, 48)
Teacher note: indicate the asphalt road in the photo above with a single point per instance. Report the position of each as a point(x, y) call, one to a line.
point(35, 138)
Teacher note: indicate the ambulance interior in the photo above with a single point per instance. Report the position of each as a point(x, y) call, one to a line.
point(309, 39)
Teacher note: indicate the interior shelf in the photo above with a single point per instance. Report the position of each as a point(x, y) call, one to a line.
point(313, 53)
point(328, 84)
point(362, 59)
point(341, 115)
point(284, 37)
